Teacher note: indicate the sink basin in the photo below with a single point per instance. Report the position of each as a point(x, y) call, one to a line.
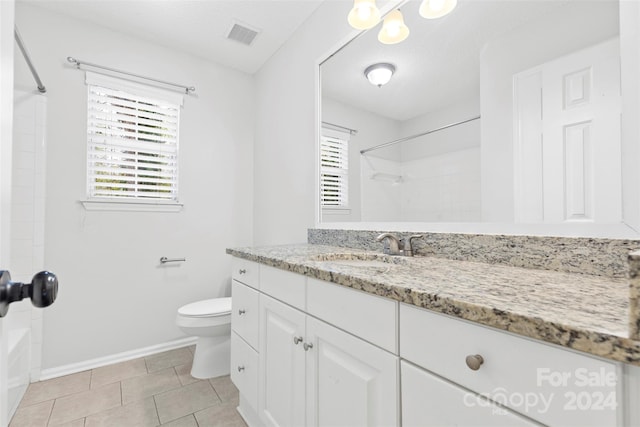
point(379, 263)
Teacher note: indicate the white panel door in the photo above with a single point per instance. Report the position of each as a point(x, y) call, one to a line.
point(568, 166)
point(282, 360)
point(350, 382)
point(7, 8)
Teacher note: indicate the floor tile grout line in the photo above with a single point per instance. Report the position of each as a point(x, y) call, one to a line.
point(51, 411)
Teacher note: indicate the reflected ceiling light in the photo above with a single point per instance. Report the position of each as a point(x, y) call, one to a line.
point(379, 74)
point(432, 9)
point(364, 15)
point(394, 29)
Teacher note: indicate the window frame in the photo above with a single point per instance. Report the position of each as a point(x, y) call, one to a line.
point(144, 92)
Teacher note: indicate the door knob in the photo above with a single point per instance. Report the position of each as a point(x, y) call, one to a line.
point(42, 290)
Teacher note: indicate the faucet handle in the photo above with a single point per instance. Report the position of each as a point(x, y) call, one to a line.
point(408, 244)
point(390, 243)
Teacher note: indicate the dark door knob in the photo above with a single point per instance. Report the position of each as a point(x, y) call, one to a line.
point(42, 290)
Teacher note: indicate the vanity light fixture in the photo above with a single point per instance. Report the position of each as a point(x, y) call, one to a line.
point(394, 29)
point(364, 15)
point(379, 74)
point(432, 9)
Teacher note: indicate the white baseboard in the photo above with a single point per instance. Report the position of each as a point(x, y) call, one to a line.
point(114, 358)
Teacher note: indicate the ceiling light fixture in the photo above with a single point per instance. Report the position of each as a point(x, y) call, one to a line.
point(364, 15)
point(432, 9)
point(394, 29)
point(379, 74)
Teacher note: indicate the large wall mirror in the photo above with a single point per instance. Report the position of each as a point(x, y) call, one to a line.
point(502, 111)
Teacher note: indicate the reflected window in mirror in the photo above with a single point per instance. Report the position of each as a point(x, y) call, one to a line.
point(334, 171)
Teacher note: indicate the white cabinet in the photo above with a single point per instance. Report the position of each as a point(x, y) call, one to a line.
point(311, 353)
point(281, 399)
point(555, 386)
point(347, 381)
point(428, 400)
point(244, 339)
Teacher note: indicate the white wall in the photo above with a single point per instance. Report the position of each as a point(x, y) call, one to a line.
point(372, 130)
point(114, 296)
point(630, 125)
point(286, 128)
point(569, 28)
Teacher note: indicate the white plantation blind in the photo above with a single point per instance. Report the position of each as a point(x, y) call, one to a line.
point(132, 150)
point(334, 171)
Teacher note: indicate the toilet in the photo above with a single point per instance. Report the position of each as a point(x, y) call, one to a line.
point(210, 321)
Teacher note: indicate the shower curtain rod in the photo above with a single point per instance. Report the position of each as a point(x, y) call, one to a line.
point(187, 89)
point(406, 138)
point(23, 49)
point(351, 131)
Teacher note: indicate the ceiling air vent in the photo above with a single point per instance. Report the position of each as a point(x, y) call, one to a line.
point(242, 33)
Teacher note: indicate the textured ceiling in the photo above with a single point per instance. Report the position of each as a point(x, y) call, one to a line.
point(198, 27)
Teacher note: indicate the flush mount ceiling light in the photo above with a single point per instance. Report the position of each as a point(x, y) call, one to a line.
point(394, 29)
point(379, 74)
point(364, 15)
point(432, 9)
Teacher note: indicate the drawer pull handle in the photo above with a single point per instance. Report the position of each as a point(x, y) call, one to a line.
point(240, 368)
point(297, 340)
point(241, 312)
point(474, 361)
point(242, 271)
point(307, 346)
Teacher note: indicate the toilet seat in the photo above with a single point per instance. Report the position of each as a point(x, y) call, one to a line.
point(207, 308)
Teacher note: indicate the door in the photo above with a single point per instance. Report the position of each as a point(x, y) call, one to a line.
point(282, 360)
point(568, 151)
point(350, 382)
point(6, 138)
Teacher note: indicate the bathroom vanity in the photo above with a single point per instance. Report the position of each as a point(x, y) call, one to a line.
point(330, 335)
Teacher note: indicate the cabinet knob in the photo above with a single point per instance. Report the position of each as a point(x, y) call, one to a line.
point(242, 271)
point(307, 346)
point(240, 368)
point(474, 361)
point(297, 340)
point(241, 312)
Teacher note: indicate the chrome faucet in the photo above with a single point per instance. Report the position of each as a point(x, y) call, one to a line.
point(391, 244)
point(395, 246)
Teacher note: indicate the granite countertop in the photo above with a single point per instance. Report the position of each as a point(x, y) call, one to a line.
point(583, 312)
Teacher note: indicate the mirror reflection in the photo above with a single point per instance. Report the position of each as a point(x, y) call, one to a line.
point(501, 111)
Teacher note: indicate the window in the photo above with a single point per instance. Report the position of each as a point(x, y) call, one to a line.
point(132, 148)
point(334, 171)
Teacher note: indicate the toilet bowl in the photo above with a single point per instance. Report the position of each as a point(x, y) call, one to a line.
point(210, 321)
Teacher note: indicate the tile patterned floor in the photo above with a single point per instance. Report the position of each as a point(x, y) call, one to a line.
point(150, 391)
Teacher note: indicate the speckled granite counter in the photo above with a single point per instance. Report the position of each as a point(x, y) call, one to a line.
point(583, 312)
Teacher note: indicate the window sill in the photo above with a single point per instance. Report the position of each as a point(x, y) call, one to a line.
point(336, 211)
point(131, 206)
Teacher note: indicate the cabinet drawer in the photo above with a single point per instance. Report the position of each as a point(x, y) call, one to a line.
point(244, 369)
point(367, 316)
point(246, 272)
point(245, 313)
point(428, 400)
point(283, 285)
point(547, 383)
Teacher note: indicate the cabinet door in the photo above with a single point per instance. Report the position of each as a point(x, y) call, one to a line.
point(349, 381)
point(428, 400)
point(281, 392)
